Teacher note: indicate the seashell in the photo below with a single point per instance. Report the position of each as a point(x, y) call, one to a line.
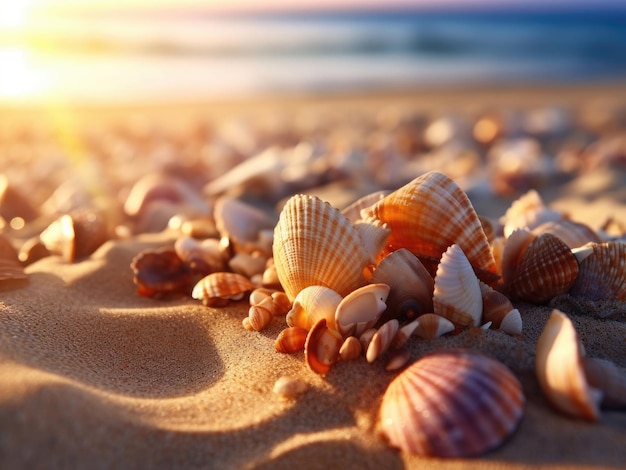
point(311, 304)
point(314, 244)
point(528, 212)
point(602, 274)
point(431, 213)
point(457, 294)
point(240, 222)
point(350, 349)
point(403, 334)
point(160, 272)
point(260, 315)
point(291, 340)
point(573, 234)
point(560, 372)
point(546, 268)
point(606, 376)
point(246, 324)
point(270, 277)
point(247, 264)
point(12, 273)
point(366, 337)
point(489, 227)
point(259, 294)
point(281, 304)
point(361, 309)
point(432, 326)
point(499, 310)
point(381, 340)
point(289, 387)
point(411, 286)
point(203, 257)
point(321, 348)
point(456, 403)
point(75, 235)
point(353, 211)
point(514, 247)
point(397, 359)
point(32, 250)
point(374, 235)
point(217, 289)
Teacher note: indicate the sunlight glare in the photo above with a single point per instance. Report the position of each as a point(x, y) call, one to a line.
point(18, 77)
point(14, 13)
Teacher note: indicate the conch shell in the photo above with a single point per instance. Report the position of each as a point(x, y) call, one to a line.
point(431, 213)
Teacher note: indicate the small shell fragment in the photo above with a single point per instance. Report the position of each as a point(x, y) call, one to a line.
point(350, 349)
point(381, 340)
point(290, 387)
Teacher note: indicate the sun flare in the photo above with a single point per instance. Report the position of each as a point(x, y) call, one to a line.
point(18, 76)
point(14, 13)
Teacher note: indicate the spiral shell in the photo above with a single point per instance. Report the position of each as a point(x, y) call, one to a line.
point(559, 369)
point(314, 244)
point(217, 289)
point(311, 304)
point(602, 274)
point(451, 404)
point(457, 294)
point(431, 213)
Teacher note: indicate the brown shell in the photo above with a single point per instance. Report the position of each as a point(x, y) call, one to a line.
point(160, 272)
point(381, 340)
point(602, 274)
point(350, 349)
point(314, 244)
point(432, 326)
point(216, 289)
point(291, 340)
point(547, 268)
point(451, 404)
point(321, 348)
point(431, 213)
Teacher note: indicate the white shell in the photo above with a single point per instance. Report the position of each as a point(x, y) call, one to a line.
point(361, 309)
point(311, 304)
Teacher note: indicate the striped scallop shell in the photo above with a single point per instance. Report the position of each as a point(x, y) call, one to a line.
point(216, 289)
point(545, 269)
point(602, 274)
point(457, 295)
point(431, 213)
point(314, 244)
point(451, 404)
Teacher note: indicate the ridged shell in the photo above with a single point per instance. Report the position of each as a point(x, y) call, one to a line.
point(432, 326)
point(411, 286)
point(353, 211)
point(291, 340)
point(361, 309)
point(321, 348)
point(457, 294)
point(381, 340)
point(546, 269)
point(527, 212)
point(602, 274)
point(451, 404)
point(216, 289)
point(260, 315)
point(574, 234)
point(314, 244)
point(431, 213)
point(559, 369)
point(311, 304)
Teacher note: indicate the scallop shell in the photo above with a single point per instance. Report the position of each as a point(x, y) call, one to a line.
point(602, 274)
point(451, 404)
point(361, 309)
point(381, 340)
point(545, 269)
point(559, 369)
point(314, 244)
point(291, 340)
point(411, 286)
point(321, 348)
point(431, 213)
point(457, 294)
point(217, 289)
point(432, 326)
point(311, 304)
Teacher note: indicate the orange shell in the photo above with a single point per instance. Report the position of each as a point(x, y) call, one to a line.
point(217, 288)
point(291, 340)
point(431, 213)
point(602, 274)
point(321, 348)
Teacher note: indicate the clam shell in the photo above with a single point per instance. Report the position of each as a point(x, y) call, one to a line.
point(602, 274)
point(457, 294)
point(291, 340)
point(431, 213)
point(361, 309)
point(216, 289)
point(314, 244)
point(321, 348)
point(546, 269)
point(559, 369)
point(430, 326)
point(411, 286)
point(451, 404)
point(311, 304)
point(381, 340)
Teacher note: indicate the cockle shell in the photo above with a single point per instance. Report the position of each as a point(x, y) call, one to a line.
point(430, 326)
point(361, 309)
point(321, 348)
point(381, 340)
point(431, 213)
point(314, 244)
point(411, 286)
point(217, 289)
point(559, 369)
point(457, 294)
point(602, 274)
point(456, 403)
point(291, 340)
point(545, 269)
point(311, 304)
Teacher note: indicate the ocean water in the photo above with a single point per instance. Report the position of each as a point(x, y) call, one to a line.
point(96, 59)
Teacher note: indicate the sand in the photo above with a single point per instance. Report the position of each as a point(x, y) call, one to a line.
point(93, 375)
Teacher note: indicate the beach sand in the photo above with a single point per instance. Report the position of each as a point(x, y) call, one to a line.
point(94, 375)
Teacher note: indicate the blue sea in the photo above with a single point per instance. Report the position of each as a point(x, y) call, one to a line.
point(160, 58)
